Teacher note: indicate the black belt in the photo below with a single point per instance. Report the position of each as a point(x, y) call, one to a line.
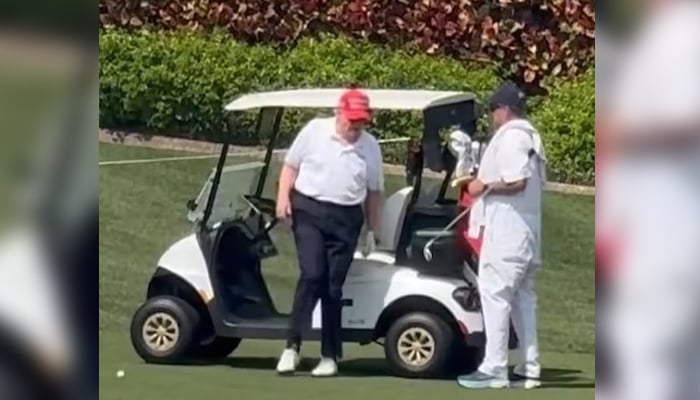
point(327, 204)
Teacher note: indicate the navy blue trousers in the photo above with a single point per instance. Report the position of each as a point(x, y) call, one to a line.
point(326, 236)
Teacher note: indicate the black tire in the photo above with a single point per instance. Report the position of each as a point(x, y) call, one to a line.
point(218, 348)
point(436, 329)
point(173, 310)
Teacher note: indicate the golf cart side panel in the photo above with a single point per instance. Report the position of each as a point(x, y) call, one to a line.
point(369, 285)
point(440, 289)
point(185, 259)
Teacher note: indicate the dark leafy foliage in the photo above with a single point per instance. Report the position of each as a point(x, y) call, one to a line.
point(528, 40)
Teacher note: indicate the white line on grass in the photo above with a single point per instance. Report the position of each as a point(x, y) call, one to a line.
point(204, 157)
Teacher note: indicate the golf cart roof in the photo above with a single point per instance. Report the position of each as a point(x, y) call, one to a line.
point(380, 99)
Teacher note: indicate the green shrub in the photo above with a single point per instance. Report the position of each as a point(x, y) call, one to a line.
point(177, 83)
point(566, 120)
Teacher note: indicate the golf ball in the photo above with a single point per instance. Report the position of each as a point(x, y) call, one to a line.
point(120, 373)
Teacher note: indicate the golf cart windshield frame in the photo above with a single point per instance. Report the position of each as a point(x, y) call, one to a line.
point(268, 122)
point(462, 111)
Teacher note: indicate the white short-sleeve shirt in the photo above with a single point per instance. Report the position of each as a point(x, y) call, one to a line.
point(332, 170)
point(509, 158)
point(511, 161)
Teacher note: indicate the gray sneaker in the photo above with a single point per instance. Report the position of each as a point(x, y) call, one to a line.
point(480, 380)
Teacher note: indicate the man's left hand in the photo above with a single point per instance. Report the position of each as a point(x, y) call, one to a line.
point(369, 243)
point(462, 180)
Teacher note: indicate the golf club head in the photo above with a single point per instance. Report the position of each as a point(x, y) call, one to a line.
point(427, 254)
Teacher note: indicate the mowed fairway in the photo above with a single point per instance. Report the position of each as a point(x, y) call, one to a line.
point(142, 211)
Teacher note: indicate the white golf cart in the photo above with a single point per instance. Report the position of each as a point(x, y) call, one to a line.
point(208, 292)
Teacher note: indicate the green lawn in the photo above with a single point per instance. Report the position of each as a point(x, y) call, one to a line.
point(142, 211)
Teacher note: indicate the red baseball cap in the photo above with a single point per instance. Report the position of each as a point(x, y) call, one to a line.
point(354, 106)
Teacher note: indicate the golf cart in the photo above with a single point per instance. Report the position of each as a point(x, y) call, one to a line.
point(208, 291)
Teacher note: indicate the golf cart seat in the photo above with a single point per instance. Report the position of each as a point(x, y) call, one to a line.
point(393, 215)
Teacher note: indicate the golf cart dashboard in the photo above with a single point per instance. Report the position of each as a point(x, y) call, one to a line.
point(250, 229)
point(250, 225)
point(261, 204)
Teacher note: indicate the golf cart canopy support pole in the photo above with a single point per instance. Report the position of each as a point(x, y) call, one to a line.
point(268, 124)
point(215, 184)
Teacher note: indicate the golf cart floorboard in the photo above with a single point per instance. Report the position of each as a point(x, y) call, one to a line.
point(277, 321)
point(276, 328)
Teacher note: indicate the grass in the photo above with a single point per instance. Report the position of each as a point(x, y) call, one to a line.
point(142, 211)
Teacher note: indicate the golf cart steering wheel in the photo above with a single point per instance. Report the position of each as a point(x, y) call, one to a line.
point(264, 207)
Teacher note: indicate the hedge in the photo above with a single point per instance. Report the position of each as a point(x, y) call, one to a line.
point(177, 83)
point(566, 119)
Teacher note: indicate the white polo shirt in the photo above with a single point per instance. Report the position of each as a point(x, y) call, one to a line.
point(331, 170)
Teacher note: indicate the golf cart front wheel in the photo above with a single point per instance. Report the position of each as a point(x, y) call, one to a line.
point(162, 330)
point(419, 345)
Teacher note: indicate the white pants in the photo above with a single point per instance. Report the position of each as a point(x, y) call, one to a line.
point(507, 269)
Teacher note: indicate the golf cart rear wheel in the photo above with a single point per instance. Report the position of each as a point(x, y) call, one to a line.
point(419, 345)
point(162, 330)
point(218, 348)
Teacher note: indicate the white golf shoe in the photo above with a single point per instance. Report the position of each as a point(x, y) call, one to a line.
point(288, 362)
point(525, 383)
point(522, 381)
point(326, 367)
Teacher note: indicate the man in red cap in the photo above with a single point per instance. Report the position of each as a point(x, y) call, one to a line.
point(332, 170)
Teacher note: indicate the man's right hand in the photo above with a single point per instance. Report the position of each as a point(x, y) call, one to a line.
point(288, 176)
point(283, 210)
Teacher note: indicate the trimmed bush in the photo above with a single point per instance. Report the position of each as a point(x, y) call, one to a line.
point(566, 120)
point(178, 83)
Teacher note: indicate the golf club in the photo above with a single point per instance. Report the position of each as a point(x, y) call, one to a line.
point(427, 253)
point(469, 275)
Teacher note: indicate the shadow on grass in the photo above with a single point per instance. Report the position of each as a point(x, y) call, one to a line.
point(377, 367)
point(565, 378)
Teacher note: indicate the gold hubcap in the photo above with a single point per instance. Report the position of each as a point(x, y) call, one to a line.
point(160, 332)
point(416, 347)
